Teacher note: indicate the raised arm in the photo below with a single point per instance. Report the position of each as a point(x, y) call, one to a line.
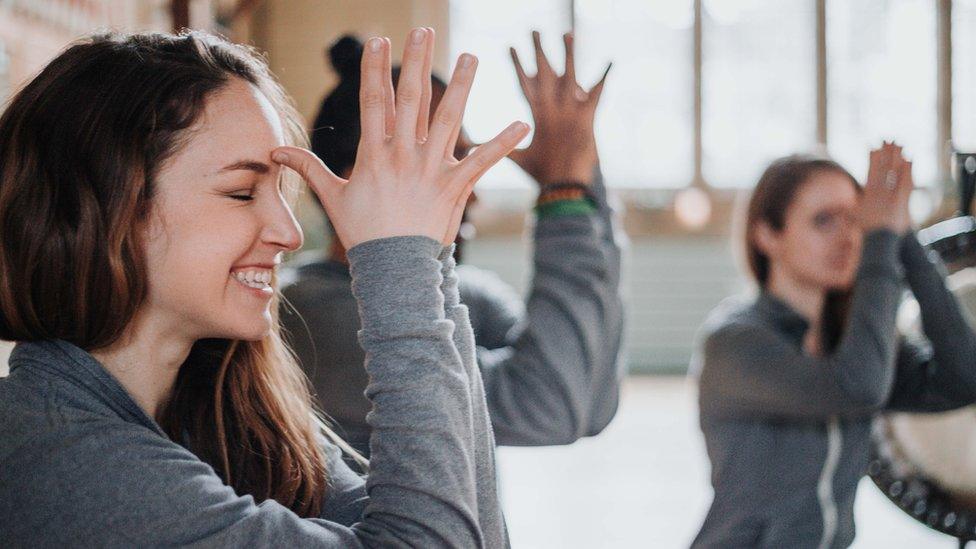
point(401, 206)
point(943, 376)
point(558, 379)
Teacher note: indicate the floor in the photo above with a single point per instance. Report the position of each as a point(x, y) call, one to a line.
point(643, 483)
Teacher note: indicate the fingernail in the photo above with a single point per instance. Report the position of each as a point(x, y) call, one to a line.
point(417, 36)
point(467, 60)
point(279, 157)
point(375, 44)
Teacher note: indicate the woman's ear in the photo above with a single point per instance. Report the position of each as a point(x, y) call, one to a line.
point(766, 238)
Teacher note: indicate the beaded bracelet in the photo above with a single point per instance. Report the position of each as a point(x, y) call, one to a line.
point(556, 195)
point(580, 190)
point(565, 207)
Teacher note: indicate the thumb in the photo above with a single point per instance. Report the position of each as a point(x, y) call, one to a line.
point(310, 168)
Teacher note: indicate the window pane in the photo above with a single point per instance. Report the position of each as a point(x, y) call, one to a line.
point(759, 85)
point(488, 29)
point(881, 69)
point(964, 74)
point(646, 118)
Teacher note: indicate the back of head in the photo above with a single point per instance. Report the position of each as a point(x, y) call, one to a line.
point(336, 130)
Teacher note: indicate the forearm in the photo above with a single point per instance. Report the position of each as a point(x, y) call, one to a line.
point(483, 442)
point(944, 322)
point(865, 357)
point(561, 373)
point(422, 454)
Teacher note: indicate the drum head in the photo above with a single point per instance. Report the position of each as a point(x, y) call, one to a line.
point(926, 463)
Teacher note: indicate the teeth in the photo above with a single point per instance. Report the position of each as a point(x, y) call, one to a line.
point(254, 279)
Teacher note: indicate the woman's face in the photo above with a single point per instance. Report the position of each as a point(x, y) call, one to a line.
point(219, 222)
point(820, 243)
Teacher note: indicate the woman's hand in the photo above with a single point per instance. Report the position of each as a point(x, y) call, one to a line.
point(405, 180)
point(884, 204)
point(563, 148)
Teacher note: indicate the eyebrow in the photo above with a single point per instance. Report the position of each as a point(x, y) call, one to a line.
point(249, 165)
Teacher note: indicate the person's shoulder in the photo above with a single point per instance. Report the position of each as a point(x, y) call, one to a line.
point(41, 424)
point(25, 412)
point(734, 314)
point(46, 439)
point(88, 471)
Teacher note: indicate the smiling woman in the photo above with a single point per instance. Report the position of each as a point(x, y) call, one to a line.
point(221, 220)
point(151, 400)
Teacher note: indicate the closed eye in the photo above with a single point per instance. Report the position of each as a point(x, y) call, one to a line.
point(242, 197)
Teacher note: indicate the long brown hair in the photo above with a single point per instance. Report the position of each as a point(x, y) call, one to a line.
point(80, 147)
point(769, 204)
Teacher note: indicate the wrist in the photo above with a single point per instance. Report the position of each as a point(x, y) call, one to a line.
point(565, 191)
point(583, 177)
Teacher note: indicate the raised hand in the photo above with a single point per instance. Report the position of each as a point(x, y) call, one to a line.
point(406, 180)
point(563, 148)
point(884, 204)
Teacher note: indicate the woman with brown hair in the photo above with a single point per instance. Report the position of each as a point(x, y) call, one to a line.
point(789, 381)
point(143, 206)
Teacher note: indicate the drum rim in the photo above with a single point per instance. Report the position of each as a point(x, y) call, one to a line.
point(923, 499)
point(917, 495)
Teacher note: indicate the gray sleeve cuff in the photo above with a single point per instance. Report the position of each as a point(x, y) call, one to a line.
point(449, 286)
point(396, 281)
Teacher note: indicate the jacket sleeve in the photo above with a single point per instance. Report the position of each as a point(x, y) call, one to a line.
point(750, 369)
point(939, 375)
point(559, 380)
point(490, 516)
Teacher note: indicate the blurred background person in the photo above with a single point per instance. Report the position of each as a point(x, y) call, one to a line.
point(789, 381)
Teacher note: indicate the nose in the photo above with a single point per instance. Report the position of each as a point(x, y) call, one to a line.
point(281, 229)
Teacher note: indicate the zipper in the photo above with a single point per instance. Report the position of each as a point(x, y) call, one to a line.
point(825, 486)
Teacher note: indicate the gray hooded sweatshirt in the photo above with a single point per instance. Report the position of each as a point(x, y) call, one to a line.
point(788, 434)
point(551, 367)
point(81, 464)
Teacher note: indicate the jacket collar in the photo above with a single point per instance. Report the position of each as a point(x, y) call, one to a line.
point(782, 316)
point(80, 379)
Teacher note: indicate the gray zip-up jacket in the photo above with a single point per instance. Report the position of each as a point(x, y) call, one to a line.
point(551, 367)
point(788, 434)
point(81, 464)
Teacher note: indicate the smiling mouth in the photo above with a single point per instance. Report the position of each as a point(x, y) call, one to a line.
point(258, 279)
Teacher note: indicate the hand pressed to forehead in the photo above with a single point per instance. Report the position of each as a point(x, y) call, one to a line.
point(406, 180)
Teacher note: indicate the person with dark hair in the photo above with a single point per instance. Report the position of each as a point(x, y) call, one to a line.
point(551, 365)
point(144, 202)
point(789, 381)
